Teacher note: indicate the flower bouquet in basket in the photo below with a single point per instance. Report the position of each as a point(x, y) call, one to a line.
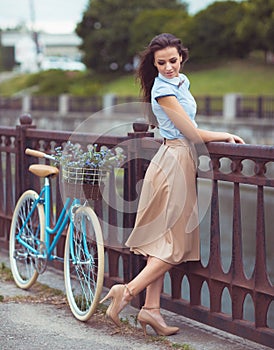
point(84, 172)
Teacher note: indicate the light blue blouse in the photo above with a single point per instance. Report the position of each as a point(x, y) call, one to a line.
point(178, 87)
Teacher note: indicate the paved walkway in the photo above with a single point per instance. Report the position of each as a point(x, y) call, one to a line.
point(29, 325)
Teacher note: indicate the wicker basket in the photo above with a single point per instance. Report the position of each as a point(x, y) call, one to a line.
point(84, 183)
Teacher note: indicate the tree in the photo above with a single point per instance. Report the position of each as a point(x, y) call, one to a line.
point(211, 33)
point(153, 22)
point(106, 29)
point(257, 26)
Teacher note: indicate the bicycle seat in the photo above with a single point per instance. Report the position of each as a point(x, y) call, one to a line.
point(43, 170)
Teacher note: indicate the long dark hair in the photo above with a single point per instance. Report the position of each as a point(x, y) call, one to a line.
point(147, 71)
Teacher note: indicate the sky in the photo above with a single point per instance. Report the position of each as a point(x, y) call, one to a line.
point(57, 16)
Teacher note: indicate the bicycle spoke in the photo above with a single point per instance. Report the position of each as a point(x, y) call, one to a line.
point(84, 264)
point(26, 224)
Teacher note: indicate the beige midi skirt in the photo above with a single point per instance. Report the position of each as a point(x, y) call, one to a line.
point(167, 223)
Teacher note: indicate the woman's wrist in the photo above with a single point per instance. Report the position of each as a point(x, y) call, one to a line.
point(219, 136)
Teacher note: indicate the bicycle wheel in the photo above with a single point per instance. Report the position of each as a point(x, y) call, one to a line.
point(84, 263)
point(29, 221)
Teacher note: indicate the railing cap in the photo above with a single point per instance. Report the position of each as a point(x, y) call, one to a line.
point(25, 119)
point(140, 125)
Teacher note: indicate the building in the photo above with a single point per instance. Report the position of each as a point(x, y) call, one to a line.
point(23, 50)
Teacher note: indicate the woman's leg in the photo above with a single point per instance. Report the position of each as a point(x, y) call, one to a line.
point(153, 294)
point(153, 272)
point(152, 301)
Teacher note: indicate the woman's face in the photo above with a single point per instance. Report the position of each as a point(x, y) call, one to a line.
point(168, 62)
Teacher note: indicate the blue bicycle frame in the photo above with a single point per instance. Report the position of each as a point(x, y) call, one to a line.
point(64, 217)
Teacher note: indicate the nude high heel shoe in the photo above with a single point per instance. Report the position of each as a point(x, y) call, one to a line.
point(146, 318)
point(118, 302)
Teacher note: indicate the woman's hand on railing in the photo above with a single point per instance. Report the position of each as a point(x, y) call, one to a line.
point(231, 138)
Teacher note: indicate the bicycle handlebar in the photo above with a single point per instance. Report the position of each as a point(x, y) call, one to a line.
point(34, 153)
point(38, 154)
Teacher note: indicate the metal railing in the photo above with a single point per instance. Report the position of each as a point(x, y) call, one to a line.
point(238, 166)
point(261, 107)
point(258, 107)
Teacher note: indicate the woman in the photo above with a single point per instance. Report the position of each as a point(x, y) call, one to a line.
point(166, 227)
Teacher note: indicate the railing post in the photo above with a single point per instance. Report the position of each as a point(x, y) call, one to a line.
point(207, 106)
point(260, 107)
point(63, 104)
point(132, 177)
point(230, 106)
point(21, 145)
point(108, 103)
point(26, 103)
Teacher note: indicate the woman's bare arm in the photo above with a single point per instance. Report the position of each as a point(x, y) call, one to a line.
point(181, 120)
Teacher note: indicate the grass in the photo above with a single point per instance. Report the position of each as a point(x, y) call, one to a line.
point(5, 273)
point(42, 293)
point(14, 85)
point(247, 77)
point(123, 86)
point(52, 82)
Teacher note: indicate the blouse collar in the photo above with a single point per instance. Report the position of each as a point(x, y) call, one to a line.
point(177, 81)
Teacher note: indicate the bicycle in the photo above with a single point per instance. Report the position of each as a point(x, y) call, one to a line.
point(33, 241)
